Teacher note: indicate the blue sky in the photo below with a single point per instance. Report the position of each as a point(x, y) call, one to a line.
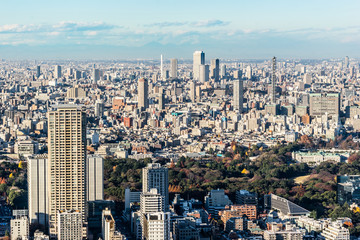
point(116, 29)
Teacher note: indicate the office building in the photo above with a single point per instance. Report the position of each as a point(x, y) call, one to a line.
point(198, 59)
point(95, 177)
point(223, 71)
point(246, 197)
point(57, 71)
point(161, 101)
point(325, 103)
point(95, 75)
point(185, 229)
point(37, 166)
point(248, 72)
point(19, 228)
point(192, 91)
point(238, 211)
point(152, 201)
point(336, 231)
point(346, 62)
point(131, 197)
point(173, 68)
point(238, 95)
point(77, 75)
point(143, 94)
point(204, 73)
point(99, 108)
point(94, 211)
point(348, 189)
point(38, 72)
point(215, 69)
point(215, 201)
point(156, 176)
point(70, 225)
point(109, 227)
point(67, 163)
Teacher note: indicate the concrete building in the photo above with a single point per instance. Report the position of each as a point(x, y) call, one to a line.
point(37, 166)
point(156, 176)
point(67, 163)
point(215, 69)
point(215, 201)
point(27, 147)
point(109, 227)
point(198, 59)
point(19, 228)
point(348, 189)
point(238, 95)
point(143, 94)
point(173, 68)
point(131, 197)
point(246, 197)
point(95, 177)
point(57, 71)
point(287, 209)
point(157, 226)
point(203, 73)
point(336, 231)
point(192, 91)
point(185, 229)
point(152, 201)
point(70, 225)
point(99, 108)
point(95, 75)
point(322, 103)
point(76, 92)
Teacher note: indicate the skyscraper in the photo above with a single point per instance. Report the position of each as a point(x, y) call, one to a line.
point(238, 95)
point(57, 71)
point(143, 94)
point(223, 71)
point(161, 67)
point(70, 225)
point(204, 73)
point(99, 108)
point(161, 101)
point(198, 59)
point(37, 166)
point(67, 163)
point(156, 176)
point(192, 91)
point(273, 81)
point(174, 68)
point(215, 69)
point(96, 75)
point(95, 177)
point(346, 62)
point(38, 72)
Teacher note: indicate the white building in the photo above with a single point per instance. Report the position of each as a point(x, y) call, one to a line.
point(95, 177)
point(216, 200)
point(37, 166)
point(19, 228)
point(198, 59)
point(70, 225)
point(336, 231)
point(157, 226)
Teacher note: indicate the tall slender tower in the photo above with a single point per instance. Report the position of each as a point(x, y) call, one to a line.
point(57, 71)
point(238, 95)
point(215, 69)
point(67, 163)
point(273, 81)
point(143, 94)
point(161, 67)
point(198, 59)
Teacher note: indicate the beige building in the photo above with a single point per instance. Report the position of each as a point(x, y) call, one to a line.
point(67, 160)
point(70, 225)
point(322, 103)
point(76, 92)
point(143, 93)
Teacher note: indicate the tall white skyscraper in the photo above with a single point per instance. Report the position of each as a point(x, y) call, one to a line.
point(143, 94)
point(95, 178)
point(238, 95)
point(223, 71)
point(67, 163)
point(198, 59)
point(204, 73)
point(152, 201)
point(215, 69)
point(37, 166)
point(57, 71)
point(174, 68)
point(156, 176)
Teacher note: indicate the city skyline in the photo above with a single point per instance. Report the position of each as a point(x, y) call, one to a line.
point(238, 29)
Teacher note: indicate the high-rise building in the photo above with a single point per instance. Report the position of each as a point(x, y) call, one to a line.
point(223, 71)
point(273, 81)
point(161, 67)
point(67, 163)
point(198, 59)
point(38, 72)
point(248, 72)
point(346, 62)
point(152, 201)
point(193, 91)
point(109, 226)
point(76, 92)
point(96, 75)
point(95, 177)
point(204, 73)
point(215, 69)
point(174, 68)
point(19, 228)
point(156, 176)
point(238, 95)
point(161, 101)
point(70, 225)
point(77, 75)
point(57, 71)
point(99, 108)
point(37, 166)
point(143, 94)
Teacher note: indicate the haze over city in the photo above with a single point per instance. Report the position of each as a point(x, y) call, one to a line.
point(142, 29)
